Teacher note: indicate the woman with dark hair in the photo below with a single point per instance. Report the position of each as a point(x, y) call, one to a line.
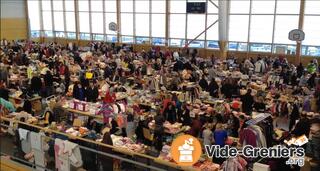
point(106, 162)
point(213, 88)
point(27, 107)
point(170, 113)
point(78, 92)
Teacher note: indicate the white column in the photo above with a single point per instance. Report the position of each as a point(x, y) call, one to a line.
point(223, 19)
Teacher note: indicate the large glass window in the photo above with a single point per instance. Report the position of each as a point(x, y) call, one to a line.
point(312, 30)
point(58, 5)
point(110, 17)
point(58, 21)
point(97, 5)
point(47, 20)
point(34, 13)
point(158, 25)
point(110, 5)
point(126, 24)
point(261, 28)
point(70, 22)
point(178, 6)
point(283, 25)
point(158, 6)
point(83, 5)
point(196, 25)
point(142, 6)
point(142, 25)
point(97, 22)
point(239, 7)
point(263, 6)
point(84, 22)
point(126, 6)
point(69, 5)
point(177, 25)
point(238, 28)
point(212, 32)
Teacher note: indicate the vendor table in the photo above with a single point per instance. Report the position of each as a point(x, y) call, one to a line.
point(35, 102)
point(83, 113)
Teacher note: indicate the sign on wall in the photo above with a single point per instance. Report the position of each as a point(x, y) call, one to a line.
point(196, 7)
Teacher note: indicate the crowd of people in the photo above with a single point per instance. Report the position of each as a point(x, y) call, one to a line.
point(94, 72)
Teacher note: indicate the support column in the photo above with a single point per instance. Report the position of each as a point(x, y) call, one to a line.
point(167, 23)
point(301, 20)
point(118, 21)
point(223, 27)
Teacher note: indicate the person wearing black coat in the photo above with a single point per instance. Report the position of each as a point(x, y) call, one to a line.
point(36, 84)
point(158, 131)
point(247, 102)
point(295, 115)
point(92, 93)
point(203, 84)
point(213, 88)
point(107, 162)
point(170, 113)
point(185, 117)
point(300, 70)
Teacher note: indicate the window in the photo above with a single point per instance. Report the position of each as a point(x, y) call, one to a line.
point(126, 6)
point(48, 33)
point(142, 40)
point(98, 37)
point(110, 17)
point(261, 28)
point(97, 22)
point(311, 50)
point(212, 44)
point(196, 44)
point(127, 39)
point(212, 32)
point(257, 47)
point(58, 21)
point(158, 25)
point(35, 34)
point(158, 6)
point(284, 49)
point(71, 35)
point(126, 24)
point(176, 42)
point(60, 34)
point(47, 20)
point(46, 5)
point(112, 38)
point(84, 36)
point(283, 25)
point(110, 5)
point(312, 7)
point(34, 13)
point(158, 41)
point(196, 25)
point(83, 5)
point(263, 6)
point(70, 22)
point(312, 30)
point(69, 5)
point(57, 5)
point(288, 7)
point(142, 25)
point(142, 6)
point(238, 28)
point(211, 8)
point(96, 5)
point(178, 6)
point(239, 7)
point(84, 22)
point(177, 25)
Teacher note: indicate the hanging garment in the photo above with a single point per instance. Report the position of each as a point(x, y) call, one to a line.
point(39, 158)
point(261, 139)
point(248, 137)
point(36, 140)
point(231, 164)
point(61, 159)
point(25, 140)
point(73, 152)
point(260, 167)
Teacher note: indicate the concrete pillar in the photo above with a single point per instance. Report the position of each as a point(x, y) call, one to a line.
point(223, 27)
point(301, 21)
